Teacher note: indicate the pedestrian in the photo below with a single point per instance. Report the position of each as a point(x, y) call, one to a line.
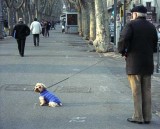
point(48, 26)
point(137, 42)
point(20, 32)
point(63, 25)
point(36, 29)
point(53, 25)
point(6, 27)
point(43, 29)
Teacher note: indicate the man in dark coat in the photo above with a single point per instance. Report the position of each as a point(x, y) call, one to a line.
point(20, 32)
point(137, 42)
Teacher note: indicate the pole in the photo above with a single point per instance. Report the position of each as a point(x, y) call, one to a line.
point(158, 62)
point(1, 20)
point(115, 19)
point(157, 12)
point(124, 13)
point(140, 1)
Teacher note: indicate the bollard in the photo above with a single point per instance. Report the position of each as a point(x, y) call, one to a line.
point(158, 63)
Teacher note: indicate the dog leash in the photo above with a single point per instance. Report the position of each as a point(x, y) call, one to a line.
point(58, 82)
point(76, 73)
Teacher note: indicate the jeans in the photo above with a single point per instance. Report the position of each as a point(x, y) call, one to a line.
point(36, 39)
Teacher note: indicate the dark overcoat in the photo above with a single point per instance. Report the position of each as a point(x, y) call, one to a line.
point(21, 31)
point(137, 42)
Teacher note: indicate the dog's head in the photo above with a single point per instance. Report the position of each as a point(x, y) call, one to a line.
point(39, 87)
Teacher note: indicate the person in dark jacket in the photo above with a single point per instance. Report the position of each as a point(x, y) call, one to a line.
point(20, 32)
point(137, 42)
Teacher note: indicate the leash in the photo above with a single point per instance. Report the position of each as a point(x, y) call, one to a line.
point(76, 73)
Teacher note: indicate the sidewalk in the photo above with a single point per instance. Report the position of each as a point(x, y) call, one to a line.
point(155, 80)
point(93, 87)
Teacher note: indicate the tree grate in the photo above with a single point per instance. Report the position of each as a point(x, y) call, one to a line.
point(74, 90)
point(18, 87)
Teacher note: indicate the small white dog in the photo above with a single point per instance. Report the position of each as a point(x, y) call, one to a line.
point(46, 97)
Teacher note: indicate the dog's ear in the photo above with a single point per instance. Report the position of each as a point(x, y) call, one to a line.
point(43, 86)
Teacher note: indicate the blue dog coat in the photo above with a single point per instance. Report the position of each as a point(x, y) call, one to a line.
point(50, 97)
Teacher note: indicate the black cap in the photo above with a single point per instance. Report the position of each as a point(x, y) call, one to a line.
point(139, 9)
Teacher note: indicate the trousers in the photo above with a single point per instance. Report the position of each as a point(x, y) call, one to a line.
point(21, 46)
point(36, 39)
point(141, 92)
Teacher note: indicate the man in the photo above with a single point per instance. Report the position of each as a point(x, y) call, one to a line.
point(36, 29)
point(63, 25)
point(20, 32)
point(6, 27)
point(137, 43)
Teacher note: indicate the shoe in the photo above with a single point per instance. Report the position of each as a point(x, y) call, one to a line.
point(147, 122)
point(21, 55)
point(133, 121)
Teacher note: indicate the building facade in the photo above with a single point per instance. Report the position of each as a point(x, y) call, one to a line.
point(153, 7)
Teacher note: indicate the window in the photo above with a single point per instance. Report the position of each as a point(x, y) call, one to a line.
point(148, 4)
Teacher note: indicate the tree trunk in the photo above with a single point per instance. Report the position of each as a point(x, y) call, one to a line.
point(1, 21)
point(85, 25)
point(10, 20)
point(109, 45)
point(99, 42)
point(92, 22)
point(80, 23)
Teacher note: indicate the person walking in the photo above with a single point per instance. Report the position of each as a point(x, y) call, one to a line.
point(48, 26)
point(63, 25)
point(43, 29)
point(6, 27)
point(36, 29)
point(53, 25)
point(20, 32)
point(137, 42)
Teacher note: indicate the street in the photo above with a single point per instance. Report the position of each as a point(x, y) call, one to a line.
point(92, 87)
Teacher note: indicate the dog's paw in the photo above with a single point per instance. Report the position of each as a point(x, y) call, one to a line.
point(42, 101)
point(41, 104)
point(52, 104)
point(60, 104)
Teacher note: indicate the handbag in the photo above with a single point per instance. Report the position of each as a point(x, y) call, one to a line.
point(14, 34)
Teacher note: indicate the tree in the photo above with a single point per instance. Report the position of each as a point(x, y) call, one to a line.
point(94, 22)
point(100, 40)
point(39, 8)
point(12, 5)
point(85, 17)
point(53, 8)
point(1, 20)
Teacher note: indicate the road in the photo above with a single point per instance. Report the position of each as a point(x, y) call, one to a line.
point(92, 87)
